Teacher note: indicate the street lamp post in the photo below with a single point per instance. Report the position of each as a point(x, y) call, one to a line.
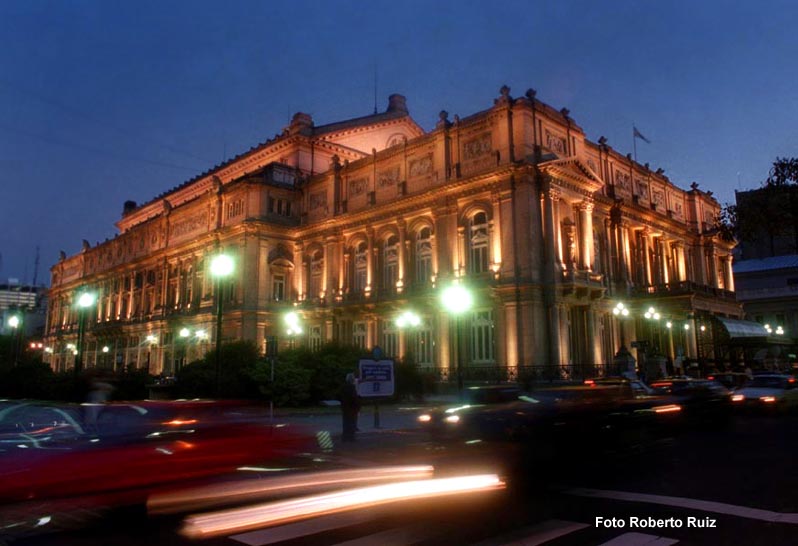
point(85, 300)
point(293, 327)
point(221, 267)
point(623, 361)
point(184, 335)
point(151, 340)
point(408, 319)
point(14, 321)
point(456, 299)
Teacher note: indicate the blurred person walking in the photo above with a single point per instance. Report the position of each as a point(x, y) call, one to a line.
point(350, 406)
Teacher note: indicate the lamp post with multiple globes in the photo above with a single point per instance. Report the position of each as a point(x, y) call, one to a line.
point(222, 266)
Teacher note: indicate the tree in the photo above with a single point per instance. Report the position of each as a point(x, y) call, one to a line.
point(767, 215)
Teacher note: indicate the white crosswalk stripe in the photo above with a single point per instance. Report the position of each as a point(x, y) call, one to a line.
point(400, 536)
point(273, 535)
point(640, 539)
point(537, 534)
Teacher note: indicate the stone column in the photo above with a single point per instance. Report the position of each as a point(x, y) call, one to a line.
point(495, 232)
point(647, 255)
point(729, 273)
point(369, 262)
point(664, 250)
point(299, 271)
point(461, 252)
point(402, 226)
point(680, 262)
point(713, 260)
point(624, 233)
point(557, 229)
point(585, 235)
point(702, 264)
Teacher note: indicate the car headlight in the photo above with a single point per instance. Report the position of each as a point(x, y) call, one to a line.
point(424, 418)
point(737, 397)
point(453, 419)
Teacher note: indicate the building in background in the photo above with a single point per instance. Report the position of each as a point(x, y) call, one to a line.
point(26, 301)
point(349, 226)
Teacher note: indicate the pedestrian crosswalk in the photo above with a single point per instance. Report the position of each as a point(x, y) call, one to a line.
point(424, 533)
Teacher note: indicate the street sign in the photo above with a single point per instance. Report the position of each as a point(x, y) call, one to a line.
point(376, 378)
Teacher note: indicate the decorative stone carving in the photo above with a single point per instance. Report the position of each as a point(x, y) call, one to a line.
point(555, 143)
point(658, 198)
point(388, 177)
point(623, 183)
point(477, 147)
point(641, 189)
point(421, 166)
point(191, 224)
point(318, 199)
point(358, 186)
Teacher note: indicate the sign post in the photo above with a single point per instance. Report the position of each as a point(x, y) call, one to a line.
point(376, 380)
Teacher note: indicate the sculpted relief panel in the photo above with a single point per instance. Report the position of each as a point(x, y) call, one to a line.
point(318, 200)
point(623, 184)
point(641, 190)
point(387, 178)
point(420, 167)
point(476, 147)
point(358, 186)
point(555, 143)
point(191, 225)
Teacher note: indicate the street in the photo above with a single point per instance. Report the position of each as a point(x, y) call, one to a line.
point(735, 485)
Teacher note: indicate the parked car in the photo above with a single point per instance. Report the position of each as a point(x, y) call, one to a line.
point(769, 392)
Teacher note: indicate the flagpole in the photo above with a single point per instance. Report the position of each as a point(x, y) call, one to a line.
point(634, 143)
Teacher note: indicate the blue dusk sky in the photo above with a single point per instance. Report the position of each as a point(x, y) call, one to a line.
point(105, 101)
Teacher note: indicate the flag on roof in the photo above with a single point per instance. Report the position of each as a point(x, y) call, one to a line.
point(638, 134)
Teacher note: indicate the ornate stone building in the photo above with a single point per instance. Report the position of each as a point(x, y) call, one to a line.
point(352, 223)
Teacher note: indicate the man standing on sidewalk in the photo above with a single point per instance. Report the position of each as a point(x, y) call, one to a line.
point(350, 406)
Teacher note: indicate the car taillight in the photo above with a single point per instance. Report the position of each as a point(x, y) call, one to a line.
point(670, 408)
point(179, 422)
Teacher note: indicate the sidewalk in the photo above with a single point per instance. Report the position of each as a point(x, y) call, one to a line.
point(383, 423)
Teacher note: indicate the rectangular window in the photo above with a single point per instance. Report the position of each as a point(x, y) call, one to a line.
point(482, 337)
point(315, 338)
point(423, 346)
point(359, 334)
point(390, 340)
point(278, 287)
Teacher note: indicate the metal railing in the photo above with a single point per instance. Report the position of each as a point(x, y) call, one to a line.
point(527, 375)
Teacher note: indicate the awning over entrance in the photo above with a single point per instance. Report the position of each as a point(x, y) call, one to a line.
point(738, 329)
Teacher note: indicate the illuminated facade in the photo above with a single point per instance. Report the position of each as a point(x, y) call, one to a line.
point(353, 223)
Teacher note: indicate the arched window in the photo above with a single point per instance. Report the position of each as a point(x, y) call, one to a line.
point(390, 257)
point(361, 267)
point(423, 256)
point(316, 269)
point(478, 243)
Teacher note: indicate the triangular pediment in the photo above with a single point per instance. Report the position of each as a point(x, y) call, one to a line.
point(573, 171)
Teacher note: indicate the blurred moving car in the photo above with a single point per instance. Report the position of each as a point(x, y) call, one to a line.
point(56, 457)
point(703, 401)
point(552, 419)
point(730, 380)
point(768, 391)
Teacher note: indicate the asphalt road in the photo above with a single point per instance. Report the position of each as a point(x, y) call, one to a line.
point(734, 485)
